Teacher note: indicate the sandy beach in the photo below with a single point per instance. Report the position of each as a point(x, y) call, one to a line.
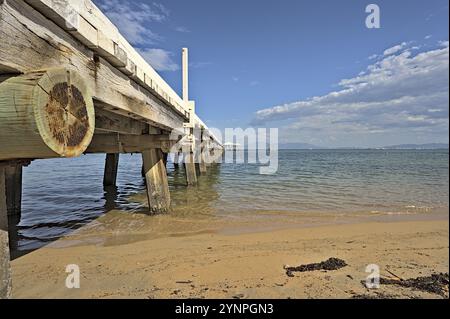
point(219, 264)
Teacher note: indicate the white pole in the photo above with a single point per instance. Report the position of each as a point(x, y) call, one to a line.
point(185, 67)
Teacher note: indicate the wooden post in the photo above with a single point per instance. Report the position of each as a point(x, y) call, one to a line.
point(45, 114)
point(212, 155)
point(176, 160)
point(156, 178)
point(201, 156)
point(5, 270)
point(216, 155)
point(111, 166)
point(202, 162)
point(207, 154)
point(13, 177)
point(191, 174)
point(165, 156)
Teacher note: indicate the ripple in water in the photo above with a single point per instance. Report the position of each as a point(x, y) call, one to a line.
point(61, 195)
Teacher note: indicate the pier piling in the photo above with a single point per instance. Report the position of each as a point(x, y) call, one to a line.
point(189, 164)
point(111, 167)
point(13, 180)
point(176, 160)
point(156, 179)
point(72, 85)
point(202, 162)
point(5, 272)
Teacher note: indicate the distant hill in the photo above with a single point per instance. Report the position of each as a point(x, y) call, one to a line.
point(306, 146)
point(429, 146)
point(299, 146)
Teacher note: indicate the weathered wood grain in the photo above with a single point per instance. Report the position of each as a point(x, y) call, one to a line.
point(107, 121)
point(156, 180)
point(84, 20)
point(191, 172)
point(45, 114)
point(30, 41)
point(121, 143)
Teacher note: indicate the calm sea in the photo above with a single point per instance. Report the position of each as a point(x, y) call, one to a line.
point(61, 195)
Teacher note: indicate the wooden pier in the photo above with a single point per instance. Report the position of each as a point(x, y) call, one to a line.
point(71, 84)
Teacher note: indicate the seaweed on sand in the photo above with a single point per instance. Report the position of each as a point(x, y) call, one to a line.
point(435, 284)
point(330, 264)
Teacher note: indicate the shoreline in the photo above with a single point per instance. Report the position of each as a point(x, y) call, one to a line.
point(243, 265)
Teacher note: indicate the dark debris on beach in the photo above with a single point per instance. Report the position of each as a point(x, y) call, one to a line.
point(436, 283)
point(375, 296)
point(330, 264)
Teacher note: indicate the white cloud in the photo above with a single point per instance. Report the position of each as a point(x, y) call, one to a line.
point(159, 59)
point(394, 49)
point(132, 18)
point(254, 83)
point(428, 37)
point(165, 12)
point(400, 95)
point(182, 29)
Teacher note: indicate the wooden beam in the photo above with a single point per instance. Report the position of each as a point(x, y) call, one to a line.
point(30, 41)
point(156, 180)
point(111, 167)
point(120, 143)
point(88, 24)
point(44, 114)
point(5, 270)
point(107, 121)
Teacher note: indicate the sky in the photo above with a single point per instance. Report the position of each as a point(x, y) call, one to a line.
point(310, 68)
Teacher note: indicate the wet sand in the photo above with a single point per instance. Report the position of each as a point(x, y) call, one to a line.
point(215, 262)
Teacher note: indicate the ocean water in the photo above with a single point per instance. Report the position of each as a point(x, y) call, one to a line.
point(61, 195)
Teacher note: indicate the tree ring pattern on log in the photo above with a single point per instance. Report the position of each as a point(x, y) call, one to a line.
point(67, 115)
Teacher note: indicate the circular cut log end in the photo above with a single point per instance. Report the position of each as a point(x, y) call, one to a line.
point(64, 112)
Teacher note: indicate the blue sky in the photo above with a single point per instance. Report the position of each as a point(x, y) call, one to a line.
point(311, 68)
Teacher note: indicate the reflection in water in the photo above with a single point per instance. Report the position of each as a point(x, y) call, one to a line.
point(51, 214)
point(198, 200)
point(13, 221)
point(110, 196)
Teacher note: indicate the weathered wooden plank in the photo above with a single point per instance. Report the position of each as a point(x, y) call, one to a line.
point(156, 180)
point(86, 22)
point(31, 41)
point(120, 143)
point(111, 122)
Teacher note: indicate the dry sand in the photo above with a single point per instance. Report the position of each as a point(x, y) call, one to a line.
point(214, 264)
